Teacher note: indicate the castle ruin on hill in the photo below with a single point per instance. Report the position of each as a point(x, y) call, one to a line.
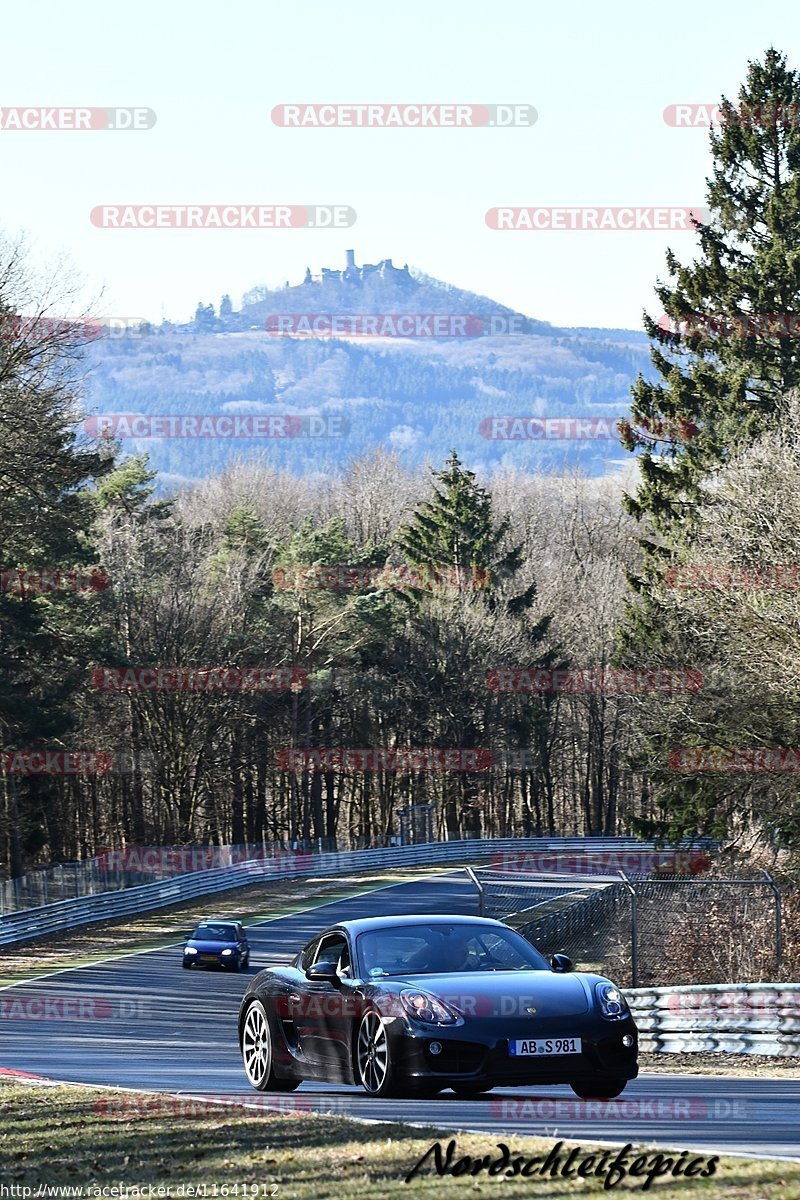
point(353, 274)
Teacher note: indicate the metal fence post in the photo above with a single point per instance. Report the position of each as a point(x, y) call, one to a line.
point(481, 890)
point(634, 929)
point(776, 891)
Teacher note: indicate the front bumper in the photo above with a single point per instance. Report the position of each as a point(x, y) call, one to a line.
point(468, 1057)
point(211, 958)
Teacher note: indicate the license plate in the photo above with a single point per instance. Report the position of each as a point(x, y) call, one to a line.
point(208, 958)
point(542, 1046)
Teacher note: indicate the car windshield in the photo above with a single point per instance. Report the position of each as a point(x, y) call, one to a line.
point(445, 949)
point(215, 933)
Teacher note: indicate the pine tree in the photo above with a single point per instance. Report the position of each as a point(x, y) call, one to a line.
point(456, 529)
point(722, 349)
point(46, 517)
point(446, 639)
point(726, 354)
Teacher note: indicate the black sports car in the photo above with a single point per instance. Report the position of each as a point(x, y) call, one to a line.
point(413, 1005)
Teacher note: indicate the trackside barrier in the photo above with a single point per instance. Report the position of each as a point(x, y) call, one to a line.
point(592, 908)
point(624, 926)
point(737, 1018)
point(65, 914)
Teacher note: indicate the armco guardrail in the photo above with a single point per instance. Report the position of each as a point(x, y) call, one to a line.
point(104, 872)
point(738, 1018)
point(65, 914)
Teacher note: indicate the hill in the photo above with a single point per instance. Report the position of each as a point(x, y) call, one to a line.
point(358, 348)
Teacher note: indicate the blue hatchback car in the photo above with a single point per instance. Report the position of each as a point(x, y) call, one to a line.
point(220, 943)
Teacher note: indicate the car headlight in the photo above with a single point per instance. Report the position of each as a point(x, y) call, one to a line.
point(611, 1002)
point(227, 952)
point(424, 1007)
point(190, 950)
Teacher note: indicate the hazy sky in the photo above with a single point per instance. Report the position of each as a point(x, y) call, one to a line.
point(599, 76)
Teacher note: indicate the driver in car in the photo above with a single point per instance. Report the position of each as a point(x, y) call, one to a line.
point(456, 954)
point(450, 953)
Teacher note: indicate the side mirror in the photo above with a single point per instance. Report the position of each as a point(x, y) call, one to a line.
point(323, 972)
point(562, 963)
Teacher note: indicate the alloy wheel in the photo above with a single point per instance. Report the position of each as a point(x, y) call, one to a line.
point(373, 1053)
point(256, 1045)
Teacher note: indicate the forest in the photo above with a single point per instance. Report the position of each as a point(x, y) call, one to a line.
point(215, 648)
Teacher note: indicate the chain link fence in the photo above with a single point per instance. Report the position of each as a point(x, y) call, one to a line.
point(655, 932)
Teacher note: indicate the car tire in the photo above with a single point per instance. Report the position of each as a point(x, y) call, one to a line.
point(187, 966)
point(599, 1091)
point(465, 1091)
point(257, 1052)
point(236, 964)
point(375, 1070)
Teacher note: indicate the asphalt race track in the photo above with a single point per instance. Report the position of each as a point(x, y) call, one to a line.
point(142, 1022)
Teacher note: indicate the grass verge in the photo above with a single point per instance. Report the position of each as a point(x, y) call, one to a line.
point(86, 1139)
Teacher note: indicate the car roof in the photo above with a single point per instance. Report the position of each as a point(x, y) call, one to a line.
point(365, 924)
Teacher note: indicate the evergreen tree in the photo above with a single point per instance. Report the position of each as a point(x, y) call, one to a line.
point(448, 641)
point(722, 351)
point(457, 529)
point(726, 354)
point(46, 516)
